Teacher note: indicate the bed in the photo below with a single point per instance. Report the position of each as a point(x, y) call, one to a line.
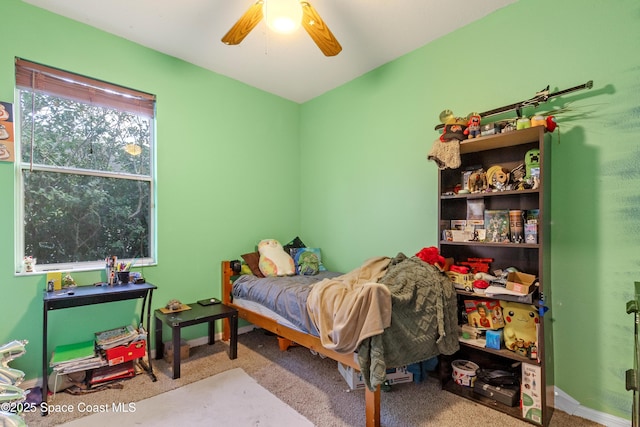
point(396, 311)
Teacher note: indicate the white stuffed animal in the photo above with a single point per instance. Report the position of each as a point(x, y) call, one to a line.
point(274, 261)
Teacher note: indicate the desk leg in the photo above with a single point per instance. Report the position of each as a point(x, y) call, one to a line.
point(175, 337)
point(233, 343)
point(45, 365)
point(150, 370)
point(212, 332)
point(158, 338)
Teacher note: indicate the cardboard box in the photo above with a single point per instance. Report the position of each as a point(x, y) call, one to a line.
point(125, 353)
point(531, 393)
point(484, 313)
point(356, 382)
point(168, 351)
point(521, 283)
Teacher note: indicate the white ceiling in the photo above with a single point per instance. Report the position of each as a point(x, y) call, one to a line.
point(371, 32)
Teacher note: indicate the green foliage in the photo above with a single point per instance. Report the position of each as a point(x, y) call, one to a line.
point(85, 197)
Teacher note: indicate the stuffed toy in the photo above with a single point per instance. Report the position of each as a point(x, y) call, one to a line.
point(473, 125)
point(477, 181)
point(274, 261)
point(431, 256)
point(520, 330)
point(454, 128)
point(498, 178)
point(532, 164)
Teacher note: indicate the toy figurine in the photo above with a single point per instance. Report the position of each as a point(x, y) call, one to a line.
point(29, 264)
point(478, 181)
point(473, 125)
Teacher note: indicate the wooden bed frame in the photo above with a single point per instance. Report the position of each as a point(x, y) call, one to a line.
point(372, 398)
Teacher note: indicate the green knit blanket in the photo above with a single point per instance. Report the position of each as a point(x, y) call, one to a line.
point(424, 320)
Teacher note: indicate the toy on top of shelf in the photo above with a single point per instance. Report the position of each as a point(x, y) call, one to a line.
point(473, 125)
point(446, 149)
point(454, 127)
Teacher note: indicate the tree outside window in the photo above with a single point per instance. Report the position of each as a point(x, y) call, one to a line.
point(86, 170)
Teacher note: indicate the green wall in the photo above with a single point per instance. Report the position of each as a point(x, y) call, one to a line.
point(220, 144)
point(369, 189)
point(365, 186)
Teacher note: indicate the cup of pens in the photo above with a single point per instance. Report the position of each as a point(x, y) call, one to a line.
point(123, 277)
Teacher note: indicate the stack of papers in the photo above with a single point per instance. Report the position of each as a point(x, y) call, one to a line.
point(75, 357)
point(118, 336)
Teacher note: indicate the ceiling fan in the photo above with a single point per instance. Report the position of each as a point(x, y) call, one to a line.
point(311, 21)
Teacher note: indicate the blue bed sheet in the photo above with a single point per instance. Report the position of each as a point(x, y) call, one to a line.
point(286, 295)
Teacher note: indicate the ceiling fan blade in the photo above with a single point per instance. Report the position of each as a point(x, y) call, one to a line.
point(318, 30)
point(245, 24)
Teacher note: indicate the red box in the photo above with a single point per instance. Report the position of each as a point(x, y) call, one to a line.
point(124, 353)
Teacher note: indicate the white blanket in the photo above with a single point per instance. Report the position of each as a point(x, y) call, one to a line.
point(350, 308)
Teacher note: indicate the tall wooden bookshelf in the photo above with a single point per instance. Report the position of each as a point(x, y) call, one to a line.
point(508, 150)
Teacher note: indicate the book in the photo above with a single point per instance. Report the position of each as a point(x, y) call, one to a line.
point(73, 352)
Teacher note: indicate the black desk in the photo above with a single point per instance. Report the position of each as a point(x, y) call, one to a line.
point(89, 295)
point(198, 314)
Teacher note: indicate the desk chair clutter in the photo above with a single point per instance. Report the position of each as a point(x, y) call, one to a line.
point(12, 397)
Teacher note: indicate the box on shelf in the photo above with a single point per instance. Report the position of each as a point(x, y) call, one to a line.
point(521, 283)
point(458, 224)
point(494, 339)
point(531, 233)
point(462, 235)
point(531, 392)
point(484, 313)
point(125, 353)
point(356, 382)
point(507, 395)
point(168, 351)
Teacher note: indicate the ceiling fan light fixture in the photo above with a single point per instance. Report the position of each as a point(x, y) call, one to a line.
point(283, 16)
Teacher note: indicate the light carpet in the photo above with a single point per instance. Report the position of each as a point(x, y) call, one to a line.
point(229, 398)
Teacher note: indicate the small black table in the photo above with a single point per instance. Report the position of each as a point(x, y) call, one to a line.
point(198, 314)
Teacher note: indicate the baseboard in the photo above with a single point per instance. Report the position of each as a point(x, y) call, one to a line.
point(568, 404)
point(205, 339)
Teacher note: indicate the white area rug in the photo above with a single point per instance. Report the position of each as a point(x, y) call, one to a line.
point(231, 398)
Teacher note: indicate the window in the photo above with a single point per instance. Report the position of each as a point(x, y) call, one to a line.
point(85, 164)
